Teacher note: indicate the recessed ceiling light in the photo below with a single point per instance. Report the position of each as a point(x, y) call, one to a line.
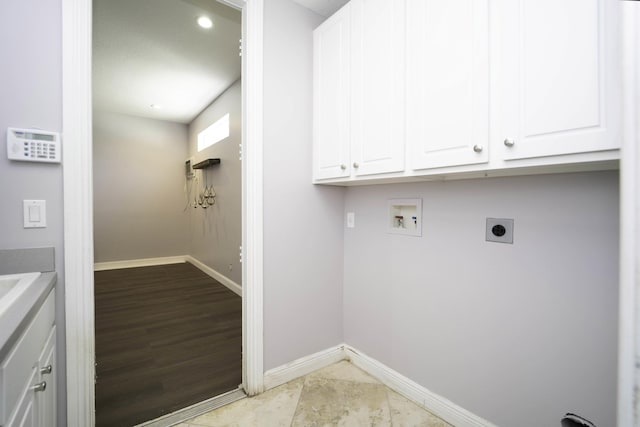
point(156, 106)
point(205, 22)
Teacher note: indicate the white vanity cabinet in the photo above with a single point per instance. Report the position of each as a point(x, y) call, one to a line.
point(468, 88)
point(25, 413)
point(28, 372)
point(46, 400)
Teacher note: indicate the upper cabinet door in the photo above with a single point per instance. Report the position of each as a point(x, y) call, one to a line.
point(558, 77)
point(447, 82)
point(331, 44)
point(377, 86)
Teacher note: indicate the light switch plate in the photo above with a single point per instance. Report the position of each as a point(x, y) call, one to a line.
point(499, 230)
point(35, 213)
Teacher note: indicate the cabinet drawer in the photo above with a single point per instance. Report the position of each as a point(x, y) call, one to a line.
point(25, 414)
point(16, 369)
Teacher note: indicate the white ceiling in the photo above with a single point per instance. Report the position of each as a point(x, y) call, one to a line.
point(323, 7)
point(153, 52)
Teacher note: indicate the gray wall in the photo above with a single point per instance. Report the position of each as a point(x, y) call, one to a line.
point(518, 334)
point(302, 222)
point(447, 310)
point(31, 96)
point(138, 181)
point(216, 232)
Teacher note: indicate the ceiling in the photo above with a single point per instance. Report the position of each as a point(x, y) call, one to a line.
point(152, 52)
point(322, 7)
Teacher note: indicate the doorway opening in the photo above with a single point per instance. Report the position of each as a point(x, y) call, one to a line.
point(167, 210)
point(78, 205)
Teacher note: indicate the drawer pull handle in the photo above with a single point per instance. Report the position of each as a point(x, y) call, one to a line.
point(478, 148)
point(356, 165)
point(40, 386)
point(509, 142)
point(46, 370)
point(343, 166)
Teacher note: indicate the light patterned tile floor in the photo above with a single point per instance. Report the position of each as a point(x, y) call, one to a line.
point(338, 395)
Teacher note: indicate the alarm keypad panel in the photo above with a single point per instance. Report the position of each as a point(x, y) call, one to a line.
point(33, 145)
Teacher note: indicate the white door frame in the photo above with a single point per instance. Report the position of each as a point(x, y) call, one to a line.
point(78, 204)
point(629, 306)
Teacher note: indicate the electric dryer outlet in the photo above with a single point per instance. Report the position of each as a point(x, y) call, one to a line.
point(499, 230)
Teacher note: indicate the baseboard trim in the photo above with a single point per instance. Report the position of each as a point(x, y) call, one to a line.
point(233, 286)
point(147, 262)
point(195, 410)
point(432, 402)
point(303, 366)
point(144, 262)
point(438, 405)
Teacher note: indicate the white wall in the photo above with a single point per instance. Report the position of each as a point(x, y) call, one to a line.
point(138, 179)
point(517, 334)
point(216, 232)
point(31, 96)
point(302, 222)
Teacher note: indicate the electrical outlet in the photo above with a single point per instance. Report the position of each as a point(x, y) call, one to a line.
point(351, 219)
point(499, 230)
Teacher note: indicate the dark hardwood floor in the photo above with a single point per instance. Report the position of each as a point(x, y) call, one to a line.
point(166, 337)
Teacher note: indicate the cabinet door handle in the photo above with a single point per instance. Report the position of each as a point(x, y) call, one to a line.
point(343, 166)
point(356, 165)
point(40, 386)
point(478, 148)
point(509, 142)
point(46, 370)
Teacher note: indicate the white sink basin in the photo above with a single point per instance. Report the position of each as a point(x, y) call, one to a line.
point(6, 285)
point(17, 297)
point(20, 297)
point(12, 288)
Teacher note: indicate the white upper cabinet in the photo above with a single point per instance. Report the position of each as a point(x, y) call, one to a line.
point(557, 77)
point(409, 88)
point(358, 95)
point(331, 47)
point(447, 82)
point(377, 88)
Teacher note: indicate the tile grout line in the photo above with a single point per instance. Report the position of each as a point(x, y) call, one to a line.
point(386, 391)
point(293, 417)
